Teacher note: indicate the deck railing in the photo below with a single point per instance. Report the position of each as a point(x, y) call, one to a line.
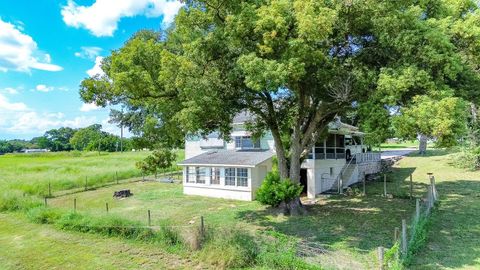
point(368, 157)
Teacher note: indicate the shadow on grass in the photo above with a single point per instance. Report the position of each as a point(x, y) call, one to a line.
point(360, 223)
point(453, 241)
point(432, 152)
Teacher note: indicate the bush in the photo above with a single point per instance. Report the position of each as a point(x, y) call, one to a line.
point(44, 215)
point(274, 191)
point(14, 201)
point(229, 248)
point(468, 158)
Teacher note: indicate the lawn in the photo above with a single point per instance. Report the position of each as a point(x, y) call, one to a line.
point(453, 242)
point(32, 246)
point(348, 230)
point(343, 231)
point(32, 173)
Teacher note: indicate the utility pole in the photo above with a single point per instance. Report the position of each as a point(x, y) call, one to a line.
point(121, 133)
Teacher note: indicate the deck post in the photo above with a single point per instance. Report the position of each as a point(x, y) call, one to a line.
point(364, 184)
point(385, 185)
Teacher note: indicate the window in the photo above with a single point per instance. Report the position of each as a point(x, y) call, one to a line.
point(246, 142)
point(242, 177)
point(229, 176)
point(215, 176)
point(191, 174)
point(201, 175)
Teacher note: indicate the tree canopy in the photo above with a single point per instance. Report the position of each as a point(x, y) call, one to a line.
point(294, 64)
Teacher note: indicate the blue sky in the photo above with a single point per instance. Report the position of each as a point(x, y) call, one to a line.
point(47, 47)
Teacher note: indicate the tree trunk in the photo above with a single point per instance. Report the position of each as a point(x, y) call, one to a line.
point(422, 148)
point(280, 151)
point(295, 152)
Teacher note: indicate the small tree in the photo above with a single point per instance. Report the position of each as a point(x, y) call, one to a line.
point(443, 120)
point(160, 159)
point(278, 193)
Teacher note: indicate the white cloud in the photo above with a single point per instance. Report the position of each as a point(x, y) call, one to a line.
point(9, 90)
point(88, 52)
point(87, 107)
point(19, 51)
point(102, 17)
point(34, 122)
point(6, 106)
point(97, 68)
point(44, 88)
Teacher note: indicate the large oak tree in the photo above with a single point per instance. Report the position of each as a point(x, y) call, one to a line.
point(294, 64)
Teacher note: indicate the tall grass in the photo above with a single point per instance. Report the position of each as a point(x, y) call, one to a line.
point(33, 173)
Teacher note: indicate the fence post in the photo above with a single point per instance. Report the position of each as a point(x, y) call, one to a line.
point(417, 209)
point(396, 234)
point(434, 190)
point(106, 206)
point(385, 185)
point(46, 202)
point(116, 176)
point(202, 227)
point(74, 205)
point(404, 237)
point(49, 189)
point(411, 186)
point(381, 255)
point(86, 183)
point(149, 219)
point(143, 176)
point(429, 199)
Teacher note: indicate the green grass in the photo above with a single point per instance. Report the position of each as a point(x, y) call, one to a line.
point(31, 173)
point(31, 246)
point(344, 226)
point(400, 144)
point(453, 241)
point(345, 230)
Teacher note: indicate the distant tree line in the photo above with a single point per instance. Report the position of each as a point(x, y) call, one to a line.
point(90, 138)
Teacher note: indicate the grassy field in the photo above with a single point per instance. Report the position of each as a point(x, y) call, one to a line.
point(31, 173)
point(344, 227)
point(345, 230)
point(453, 242)
point(32, 246)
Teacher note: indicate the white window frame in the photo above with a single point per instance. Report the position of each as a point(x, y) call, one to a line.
point(215, 176)
point(244, 178)
point(228, 177)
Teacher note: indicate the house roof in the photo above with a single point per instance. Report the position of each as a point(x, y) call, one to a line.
point(242, 117)
point(338, 127)
point(244, 158)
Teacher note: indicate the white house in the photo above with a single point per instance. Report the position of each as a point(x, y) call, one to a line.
point(235, 169)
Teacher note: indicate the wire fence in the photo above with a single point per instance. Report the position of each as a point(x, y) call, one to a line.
point(407, 240)
point(167, 177)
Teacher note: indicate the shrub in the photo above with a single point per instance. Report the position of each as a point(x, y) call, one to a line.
point(273, 190)
point(229, 248)
point(44, 215)
point(468, 158)
point(279, 251)
point(15, 201)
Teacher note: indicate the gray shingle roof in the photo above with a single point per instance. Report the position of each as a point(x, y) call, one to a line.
point(242, 117)
point(230, 157)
